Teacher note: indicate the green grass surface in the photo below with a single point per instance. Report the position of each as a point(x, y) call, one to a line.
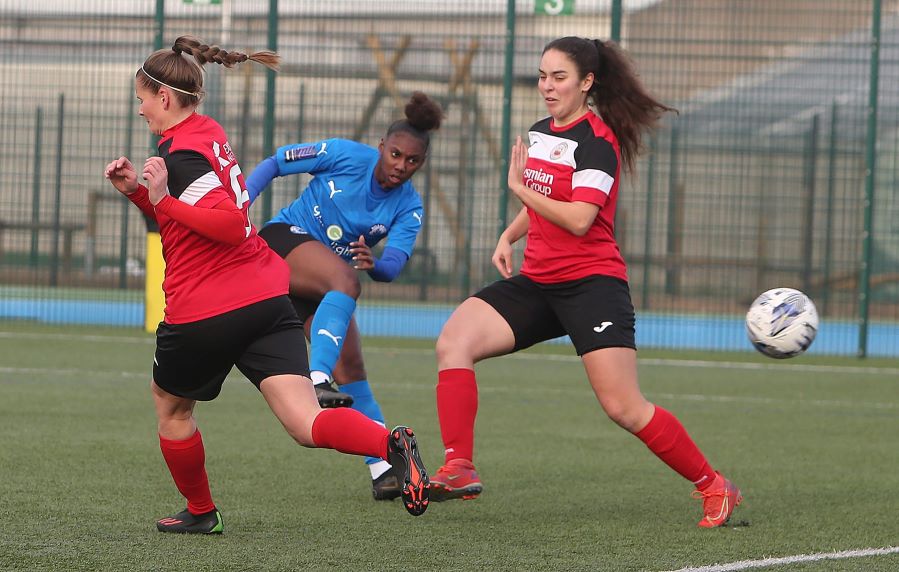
point(813, 443)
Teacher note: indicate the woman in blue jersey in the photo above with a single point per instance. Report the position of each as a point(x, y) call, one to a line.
point(358, 196)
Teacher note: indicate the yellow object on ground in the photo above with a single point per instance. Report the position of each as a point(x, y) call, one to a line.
point(154, 298)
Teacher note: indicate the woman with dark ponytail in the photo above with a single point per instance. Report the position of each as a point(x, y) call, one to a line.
point(358, 196)
point(573, 279)
point(226, 293)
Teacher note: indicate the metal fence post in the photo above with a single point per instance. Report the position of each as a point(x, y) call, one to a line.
point(506, 145)
point(57, 197)
point(616, 21)
point(808, 202)
point(864, 293)
point(268, 129)
point(36, 187)
point(828, 222)
point(160, 24)
point(647, 231)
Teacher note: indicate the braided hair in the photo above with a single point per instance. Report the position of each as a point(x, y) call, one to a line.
point(169, 67)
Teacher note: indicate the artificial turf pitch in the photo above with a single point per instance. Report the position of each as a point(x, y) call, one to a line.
point(812, 442)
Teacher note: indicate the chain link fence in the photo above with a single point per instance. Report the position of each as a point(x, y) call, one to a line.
point(779, 169)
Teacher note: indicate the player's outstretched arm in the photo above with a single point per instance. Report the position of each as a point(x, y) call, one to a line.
point(261, 177)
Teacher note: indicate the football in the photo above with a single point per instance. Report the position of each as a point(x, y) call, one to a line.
point(782, 323)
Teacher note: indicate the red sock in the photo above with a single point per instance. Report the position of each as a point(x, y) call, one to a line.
point(348, 431)
point(667, 438)
point(187, 463)
point(457, 407)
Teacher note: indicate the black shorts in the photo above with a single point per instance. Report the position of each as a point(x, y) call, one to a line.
point(596, 312)
point(262, 340)
point(283, 238)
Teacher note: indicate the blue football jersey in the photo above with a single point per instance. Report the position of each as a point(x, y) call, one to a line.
point(344, 201)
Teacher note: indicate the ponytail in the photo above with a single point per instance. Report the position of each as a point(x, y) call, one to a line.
point(168, 68)
point(617, 93)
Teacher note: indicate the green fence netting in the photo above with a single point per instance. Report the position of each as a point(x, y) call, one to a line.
point(780, 168)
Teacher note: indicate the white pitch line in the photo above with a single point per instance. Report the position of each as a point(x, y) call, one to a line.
point(78, 338)
point(778, 366)
point(69, 371)
point(495, 388)
point(765, 562)
point(653, 362)
point(711, 364)
point(769, 400)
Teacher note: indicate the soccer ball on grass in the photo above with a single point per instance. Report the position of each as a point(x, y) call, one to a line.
point(782, 323)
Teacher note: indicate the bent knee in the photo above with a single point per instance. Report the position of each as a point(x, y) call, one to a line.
point(625, 415)
point(454, 347)
point(304, 441)
point(302, 435)
point(346, 280)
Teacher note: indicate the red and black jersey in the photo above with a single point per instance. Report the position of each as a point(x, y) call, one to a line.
point(205, 275)
point(579, 162)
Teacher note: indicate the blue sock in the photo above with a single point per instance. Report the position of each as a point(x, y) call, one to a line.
point(329, 328)
point(364, 402)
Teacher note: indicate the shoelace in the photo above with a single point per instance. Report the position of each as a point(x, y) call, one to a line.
point(705, 495)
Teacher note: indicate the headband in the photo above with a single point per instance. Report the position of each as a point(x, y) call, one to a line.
point(197, 95)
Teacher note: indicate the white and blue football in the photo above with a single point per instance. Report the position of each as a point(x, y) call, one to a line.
point(782, 323)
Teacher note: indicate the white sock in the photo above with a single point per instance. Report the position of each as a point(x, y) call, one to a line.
point(319, 377)
point(378, 469)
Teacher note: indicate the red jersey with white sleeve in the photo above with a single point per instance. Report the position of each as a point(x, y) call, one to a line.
point(214, 260)
point(578, 162)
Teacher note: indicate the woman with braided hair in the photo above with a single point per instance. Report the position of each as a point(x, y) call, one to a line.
point(358, 196)
point(226, 293)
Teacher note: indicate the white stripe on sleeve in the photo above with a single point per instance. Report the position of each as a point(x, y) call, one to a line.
point(199, 188)
point(593, 178)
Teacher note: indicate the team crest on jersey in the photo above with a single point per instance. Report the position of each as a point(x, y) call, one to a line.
point(298, 230)
point(558, 151)
point(298, 153)
point(377, 230)
point(334, 232)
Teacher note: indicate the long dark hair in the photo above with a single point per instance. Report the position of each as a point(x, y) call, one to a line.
point(617, 93)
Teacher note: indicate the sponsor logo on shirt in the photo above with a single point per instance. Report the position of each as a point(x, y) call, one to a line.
point(317, 213)
point(334, 232)
point(340, 250)
point(377, 230)
point(539, 180)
